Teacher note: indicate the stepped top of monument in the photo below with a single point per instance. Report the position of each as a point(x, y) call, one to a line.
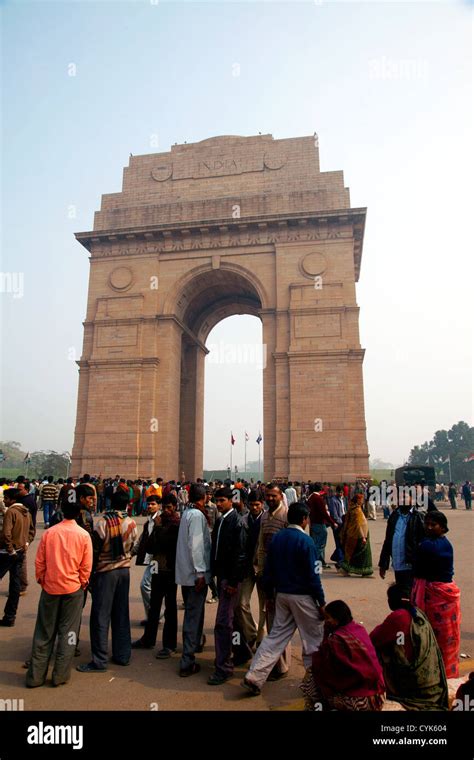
point(205, 180)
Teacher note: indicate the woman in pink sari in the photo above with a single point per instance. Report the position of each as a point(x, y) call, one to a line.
point(434, 591)
point(345, 674)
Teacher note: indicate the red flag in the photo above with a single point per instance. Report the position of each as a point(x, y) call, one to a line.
point(232, 439)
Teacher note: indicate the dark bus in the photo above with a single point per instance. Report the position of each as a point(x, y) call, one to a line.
point(409, 474)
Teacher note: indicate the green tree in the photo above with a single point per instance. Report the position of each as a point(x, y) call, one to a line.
point(44, 463)
point(457, 444)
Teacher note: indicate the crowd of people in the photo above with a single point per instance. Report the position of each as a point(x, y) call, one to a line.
point(221, 542)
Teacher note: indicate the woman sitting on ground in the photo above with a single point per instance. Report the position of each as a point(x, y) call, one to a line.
point(412, 663)
point(345, 674)
point(434, 591)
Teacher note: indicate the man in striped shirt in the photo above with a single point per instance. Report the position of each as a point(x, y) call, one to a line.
point(49, 496)
point(113, 539)
point(272, 521)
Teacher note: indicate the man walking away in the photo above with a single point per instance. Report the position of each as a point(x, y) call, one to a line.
point(63, 566)
point(466, 494)
point(113, 539)
point(17, 534)
point(49, 496)
point(290, 494)
point(292, 577)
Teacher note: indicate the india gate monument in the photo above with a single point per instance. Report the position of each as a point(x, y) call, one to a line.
point(229, 225)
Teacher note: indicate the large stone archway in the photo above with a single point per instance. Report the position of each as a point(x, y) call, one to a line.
point(230, 225)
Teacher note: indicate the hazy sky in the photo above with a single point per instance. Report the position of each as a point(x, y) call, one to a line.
point(386, 87)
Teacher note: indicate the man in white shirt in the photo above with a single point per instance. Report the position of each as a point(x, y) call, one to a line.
point(193, 565)
point(290, 494)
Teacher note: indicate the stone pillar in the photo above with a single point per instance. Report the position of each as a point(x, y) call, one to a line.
point(148, 423)
point(191, 420)
point(81, 421)
point(169, 337)
point(269, 392)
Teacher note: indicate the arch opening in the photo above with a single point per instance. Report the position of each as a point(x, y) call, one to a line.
point(206, 301)
point(233, 398)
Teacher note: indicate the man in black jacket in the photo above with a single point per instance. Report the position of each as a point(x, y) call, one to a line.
point(228, 563)
point(253, 634)
point(405, 530)
point(162, 546)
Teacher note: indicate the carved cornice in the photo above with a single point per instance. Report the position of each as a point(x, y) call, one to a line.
point(229, 233)
point(111, 364)
point(315, 355)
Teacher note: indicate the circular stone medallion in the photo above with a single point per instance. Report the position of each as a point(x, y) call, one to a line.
point(313, 264)
point(121, 278)
point(274, 160)
point(162, 173)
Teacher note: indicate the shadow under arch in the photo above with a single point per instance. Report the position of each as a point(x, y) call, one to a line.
point(208, 295)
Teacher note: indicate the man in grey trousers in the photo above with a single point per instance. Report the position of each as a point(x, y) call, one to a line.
point(292, 583)
point(193, 563)
point(63, 565)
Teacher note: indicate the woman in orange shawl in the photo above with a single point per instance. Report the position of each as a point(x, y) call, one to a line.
point(355, 540)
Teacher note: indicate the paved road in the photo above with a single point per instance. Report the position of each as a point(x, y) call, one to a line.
point(150, 684)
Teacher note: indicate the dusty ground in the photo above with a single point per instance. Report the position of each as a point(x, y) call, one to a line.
point(149, 684)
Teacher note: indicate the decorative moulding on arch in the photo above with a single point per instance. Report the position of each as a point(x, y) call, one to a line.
point(121, 278)
point(313, 264)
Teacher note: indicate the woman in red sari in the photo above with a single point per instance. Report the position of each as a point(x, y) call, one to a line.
point(345, 674)
point(434, 591)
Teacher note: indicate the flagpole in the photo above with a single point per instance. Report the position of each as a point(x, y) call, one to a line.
point(449, 462)
point(231, 455)
point(245, 452)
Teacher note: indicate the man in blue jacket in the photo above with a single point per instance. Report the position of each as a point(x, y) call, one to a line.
point(292, 582)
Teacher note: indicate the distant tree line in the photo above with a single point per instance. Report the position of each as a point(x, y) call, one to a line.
point(456, 445)
point(15, 461)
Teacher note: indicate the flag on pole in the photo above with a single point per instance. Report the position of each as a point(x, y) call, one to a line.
point(27, 458)
point(427, 461)
point(246, 436)
point(470, 458)
point(232, 439)
point(259, 439)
